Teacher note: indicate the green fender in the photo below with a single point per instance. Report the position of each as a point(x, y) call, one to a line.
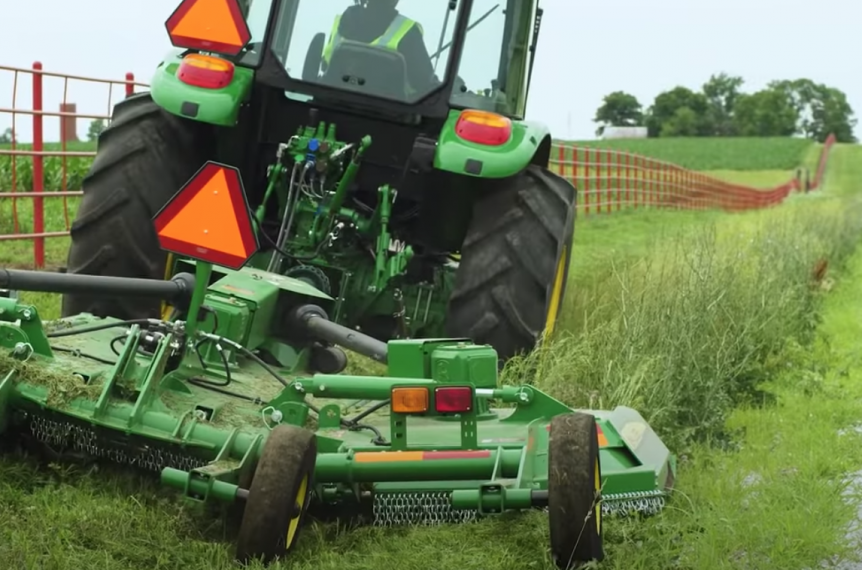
point(454, 154)
point(215, 106)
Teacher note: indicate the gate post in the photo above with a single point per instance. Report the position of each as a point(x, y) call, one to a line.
point(38, 169)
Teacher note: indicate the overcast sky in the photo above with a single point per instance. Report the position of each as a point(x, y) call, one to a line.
point(587, 49)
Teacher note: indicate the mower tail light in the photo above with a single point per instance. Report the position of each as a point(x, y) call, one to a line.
point(205, 71)
point(453, 399)
point(409, 400)
point(482, 127)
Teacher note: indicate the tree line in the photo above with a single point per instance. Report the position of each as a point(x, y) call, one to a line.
point(721, 109)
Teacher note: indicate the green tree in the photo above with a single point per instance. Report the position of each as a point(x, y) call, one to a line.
point(722, 92)
point(7, 137)
point(96, 128)
point(767, 113)
point(619, 109)
point(822, 110)
point(684, 123)
point(666, 108)
point(832, 114)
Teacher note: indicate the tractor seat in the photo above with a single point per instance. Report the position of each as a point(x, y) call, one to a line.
point(366, 69)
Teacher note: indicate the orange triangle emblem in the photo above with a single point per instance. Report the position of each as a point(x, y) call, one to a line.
point(208, 219)
point(209, 25)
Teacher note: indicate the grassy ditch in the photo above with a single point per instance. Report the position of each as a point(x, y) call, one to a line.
point(690, 329)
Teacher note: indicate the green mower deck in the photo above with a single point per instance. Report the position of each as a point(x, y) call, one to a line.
point(140, 395)
point(218, 400)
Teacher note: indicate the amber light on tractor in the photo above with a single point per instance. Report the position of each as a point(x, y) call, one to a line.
point(483, 127)
point(409, 400)
point(453, 399)
point(205, 71)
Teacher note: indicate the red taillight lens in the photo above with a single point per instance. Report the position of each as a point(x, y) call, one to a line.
point(453, 399)
point(483, 127)
point(205, 71)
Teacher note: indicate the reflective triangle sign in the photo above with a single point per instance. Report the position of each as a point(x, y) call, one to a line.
point(209, 25)
point(209, 220)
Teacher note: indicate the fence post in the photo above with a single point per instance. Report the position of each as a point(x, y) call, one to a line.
point(38, 169)
point(628, 171)
point(130, 84)
point(586, 179)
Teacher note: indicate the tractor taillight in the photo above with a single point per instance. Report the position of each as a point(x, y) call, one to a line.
point(205, 71)
point(482, 127)
point(409, 400)
point(453, 399)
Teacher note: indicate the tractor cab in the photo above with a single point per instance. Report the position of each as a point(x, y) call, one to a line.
point(426, 56)
point(384, 152)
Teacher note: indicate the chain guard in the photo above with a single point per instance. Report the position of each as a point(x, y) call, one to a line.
point(395, 509)
point(389, 509)
point(64, 436)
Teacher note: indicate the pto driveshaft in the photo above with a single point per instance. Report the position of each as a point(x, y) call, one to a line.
point(177, 290)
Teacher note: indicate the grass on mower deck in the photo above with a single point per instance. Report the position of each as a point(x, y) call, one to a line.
point(61, 387)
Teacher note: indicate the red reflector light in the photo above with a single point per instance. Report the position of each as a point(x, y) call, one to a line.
point(205, 71)
point(453, 399)
point(483, 127)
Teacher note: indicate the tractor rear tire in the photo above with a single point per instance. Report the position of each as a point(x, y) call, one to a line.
point(144, 157)
point(574, 491)
point(279, 495)
point(514, 263)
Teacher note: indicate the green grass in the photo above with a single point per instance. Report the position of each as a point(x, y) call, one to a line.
point(765, 179)
point(703, 321)
point(17, 172)
point(764, 153)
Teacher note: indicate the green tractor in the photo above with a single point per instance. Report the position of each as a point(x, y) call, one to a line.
point(386, 160)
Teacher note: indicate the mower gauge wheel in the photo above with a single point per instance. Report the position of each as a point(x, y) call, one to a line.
point(574, 491)
point(279, 495)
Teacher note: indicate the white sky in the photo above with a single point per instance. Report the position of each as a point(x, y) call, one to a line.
point(587, 49)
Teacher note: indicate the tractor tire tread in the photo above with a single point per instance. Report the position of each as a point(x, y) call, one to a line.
point(509, 260)
point(144, 157)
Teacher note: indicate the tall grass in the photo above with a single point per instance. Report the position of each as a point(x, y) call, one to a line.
point(697, 324)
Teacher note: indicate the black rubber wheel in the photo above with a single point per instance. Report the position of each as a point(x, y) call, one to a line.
point(144, 157)
point(279, 495)
point(574, 491)
point(514, 258)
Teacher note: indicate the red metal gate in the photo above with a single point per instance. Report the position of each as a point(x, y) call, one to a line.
point(21, 178)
